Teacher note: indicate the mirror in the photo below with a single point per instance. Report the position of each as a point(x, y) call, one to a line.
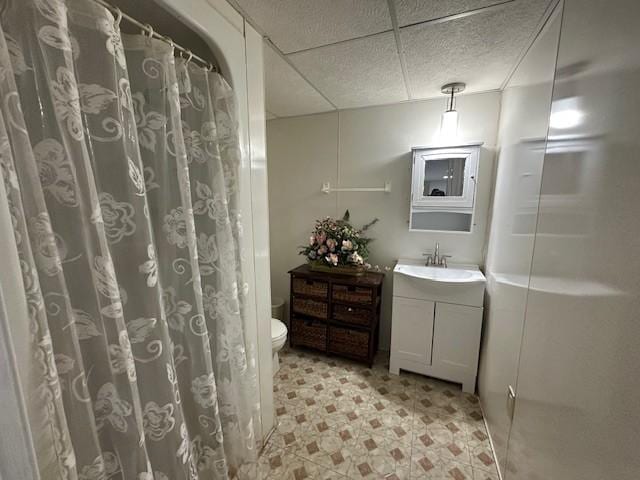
point(443, 188)
point(444, 178)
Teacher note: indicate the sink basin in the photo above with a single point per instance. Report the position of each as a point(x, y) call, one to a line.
point(455, 273)
point(459, 284)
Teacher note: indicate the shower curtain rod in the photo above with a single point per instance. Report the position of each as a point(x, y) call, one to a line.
point(151, 32)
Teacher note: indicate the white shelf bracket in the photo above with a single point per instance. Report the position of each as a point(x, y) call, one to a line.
point(327, 188)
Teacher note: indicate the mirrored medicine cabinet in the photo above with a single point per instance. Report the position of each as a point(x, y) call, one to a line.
point(443, 188)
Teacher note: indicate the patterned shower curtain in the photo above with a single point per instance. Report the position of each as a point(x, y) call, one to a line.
point(120, 166)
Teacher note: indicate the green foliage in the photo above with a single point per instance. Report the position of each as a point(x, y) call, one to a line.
point(336, 242)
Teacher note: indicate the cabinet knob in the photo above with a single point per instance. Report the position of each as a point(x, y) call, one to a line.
point(349, 309)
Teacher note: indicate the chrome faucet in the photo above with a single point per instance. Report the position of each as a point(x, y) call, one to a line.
point(435, 258)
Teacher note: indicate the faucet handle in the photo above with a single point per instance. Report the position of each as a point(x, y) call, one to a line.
point(443, 260)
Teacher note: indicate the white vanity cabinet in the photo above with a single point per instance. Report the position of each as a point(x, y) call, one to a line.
point(437, 322)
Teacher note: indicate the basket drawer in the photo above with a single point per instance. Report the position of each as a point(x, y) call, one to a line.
point(353, 315)
point(312, 288)
point(352, 343)
point(351, 294)
point(311, 308)
point(309, 333)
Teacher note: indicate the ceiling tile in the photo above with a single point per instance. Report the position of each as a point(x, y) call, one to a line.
point(415, 11)
point(357, 73)
point(294, 25)
point(287, 93)
point(480, 50)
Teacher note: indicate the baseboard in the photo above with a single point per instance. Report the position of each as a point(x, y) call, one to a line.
point(493, 450)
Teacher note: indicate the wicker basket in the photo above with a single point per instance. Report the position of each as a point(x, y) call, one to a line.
point(346, 293)
point(352, 315)
point(352, 343)
point(312, 308)
point(312, 288)
point(353, 270)
point(309, 333)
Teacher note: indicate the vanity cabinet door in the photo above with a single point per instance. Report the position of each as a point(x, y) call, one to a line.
point(456, 338)
point(412, 330)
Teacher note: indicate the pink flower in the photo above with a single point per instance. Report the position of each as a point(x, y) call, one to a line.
point(322, 250)
point(321, 238)
point(332, 258)
point(331, 243)
point(312, 240)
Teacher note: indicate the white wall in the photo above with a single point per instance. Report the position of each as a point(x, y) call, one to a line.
point(366, 147)
point(524, 119)
point(260, 219)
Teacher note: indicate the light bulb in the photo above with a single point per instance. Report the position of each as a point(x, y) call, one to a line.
point(449, 127)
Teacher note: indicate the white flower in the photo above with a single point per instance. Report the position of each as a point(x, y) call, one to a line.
point(213, 205)
point(203, 456)
point(157, 421)
point(174, 309)
point(64, 363)
point(207, 254)
point(103, 466)
point(148, 123)
point(193, 144)
point(121, 357)
point(66, 101)
point(204, 390)
point(50, 248)
point(356, 258)
point(150, 267)
point(216, 303)
point(109, 408)
point(54, 169)
point(175, 226)
point(117, 217)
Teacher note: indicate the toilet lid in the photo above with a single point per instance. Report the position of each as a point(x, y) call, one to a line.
point(278, 329)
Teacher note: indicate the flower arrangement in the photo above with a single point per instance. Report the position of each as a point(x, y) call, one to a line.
point(336, 243)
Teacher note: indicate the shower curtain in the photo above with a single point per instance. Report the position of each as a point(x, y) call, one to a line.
point(120, 166)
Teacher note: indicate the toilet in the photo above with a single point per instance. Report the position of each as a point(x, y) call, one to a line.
point(278, 339)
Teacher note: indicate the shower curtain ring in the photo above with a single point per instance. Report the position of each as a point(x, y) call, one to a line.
point(190, 56)
point(118, 17)
point(148, 29)
point(209, 67)
point(171, 44)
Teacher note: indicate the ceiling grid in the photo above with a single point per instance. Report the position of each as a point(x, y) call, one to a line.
point(323, 55)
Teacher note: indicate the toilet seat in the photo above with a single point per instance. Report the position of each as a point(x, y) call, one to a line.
point(278, 330)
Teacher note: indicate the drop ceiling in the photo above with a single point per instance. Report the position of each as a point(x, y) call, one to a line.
point(323, 55)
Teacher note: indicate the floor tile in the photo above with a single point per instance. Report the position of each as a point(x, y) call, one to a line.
point(338, 419)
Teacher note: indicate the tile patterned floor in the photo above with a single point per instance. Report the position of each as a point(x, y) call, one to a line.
point(340, 420)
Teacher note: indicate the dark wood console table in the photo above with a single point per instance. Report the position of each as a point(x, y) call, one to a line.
point(336, 314)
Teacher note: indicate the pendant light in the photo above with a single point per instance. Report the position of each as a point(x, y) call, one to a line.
point(449, 126)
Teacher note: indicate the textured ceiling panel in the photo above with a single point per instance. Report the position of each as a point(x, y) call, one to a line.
point(294, 25)
point(414, 11)
point(480, 50)
point(358, 73)
point(287, 93)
